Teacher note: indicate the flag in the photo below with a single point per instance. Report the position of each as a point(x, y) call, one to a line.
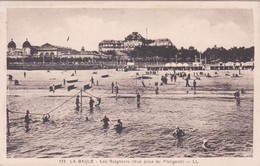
point(68, 38)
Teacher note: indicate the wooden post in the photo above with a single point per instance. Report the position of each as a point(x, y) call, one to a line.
point(81, 100)
point(7, 120)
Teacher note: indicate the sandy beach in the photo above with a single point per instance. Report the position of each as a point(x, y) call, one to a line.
point(211, 113)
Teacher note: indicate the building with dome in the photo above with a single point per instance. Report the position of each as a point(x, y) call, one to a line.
point(11, 45)
point(19, 52)
point(45, 50)
point(132, 41)
point(26, 48)
point(12, 50)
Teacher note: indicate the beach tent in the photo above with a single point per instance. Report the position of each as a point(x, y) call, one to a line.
point(249, 64)
point(237, 64)
point(173, 64)
point(220, 63)
point(185, 65)
point(179, 64)
point(195, 64)
point(130, 64)
point(167, 64)
point(229, 64)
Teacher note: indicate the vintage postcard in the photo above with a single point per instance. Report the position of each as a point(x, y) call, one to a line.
point(129, 83)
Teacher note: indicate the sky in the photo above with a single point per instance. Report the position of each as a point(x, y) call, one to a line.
point(201, 28)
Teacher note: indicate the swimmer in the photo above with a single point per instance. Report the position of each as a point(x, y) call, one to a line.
point(27, 121)
point(237, 96)
point(105, 120)
point(243, 91)
point(91, 102)
point(46, 118)
point(156, 90)
point(119, 126)
point(178, 134)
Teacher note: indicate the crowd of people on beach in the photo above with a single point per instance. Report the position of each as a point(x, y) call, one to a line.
point(178, 133)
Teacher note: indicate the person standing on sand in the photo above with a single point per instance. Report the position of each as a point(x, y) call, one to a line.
point(116, 89)
point(112, 86)
point(162, 80)
point(156, 90)
point(53, 88)
point(172, 75)
point(27, 121)
point(92, 81)
point(187, 82)
point(175, 77)
point(24, 74)
point(194, 85)
point(188, 76)
point(237, 96)
point(138, 97)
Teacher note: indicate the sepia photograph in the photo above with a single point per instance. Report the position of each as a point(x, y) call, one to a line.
point(129, 81)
